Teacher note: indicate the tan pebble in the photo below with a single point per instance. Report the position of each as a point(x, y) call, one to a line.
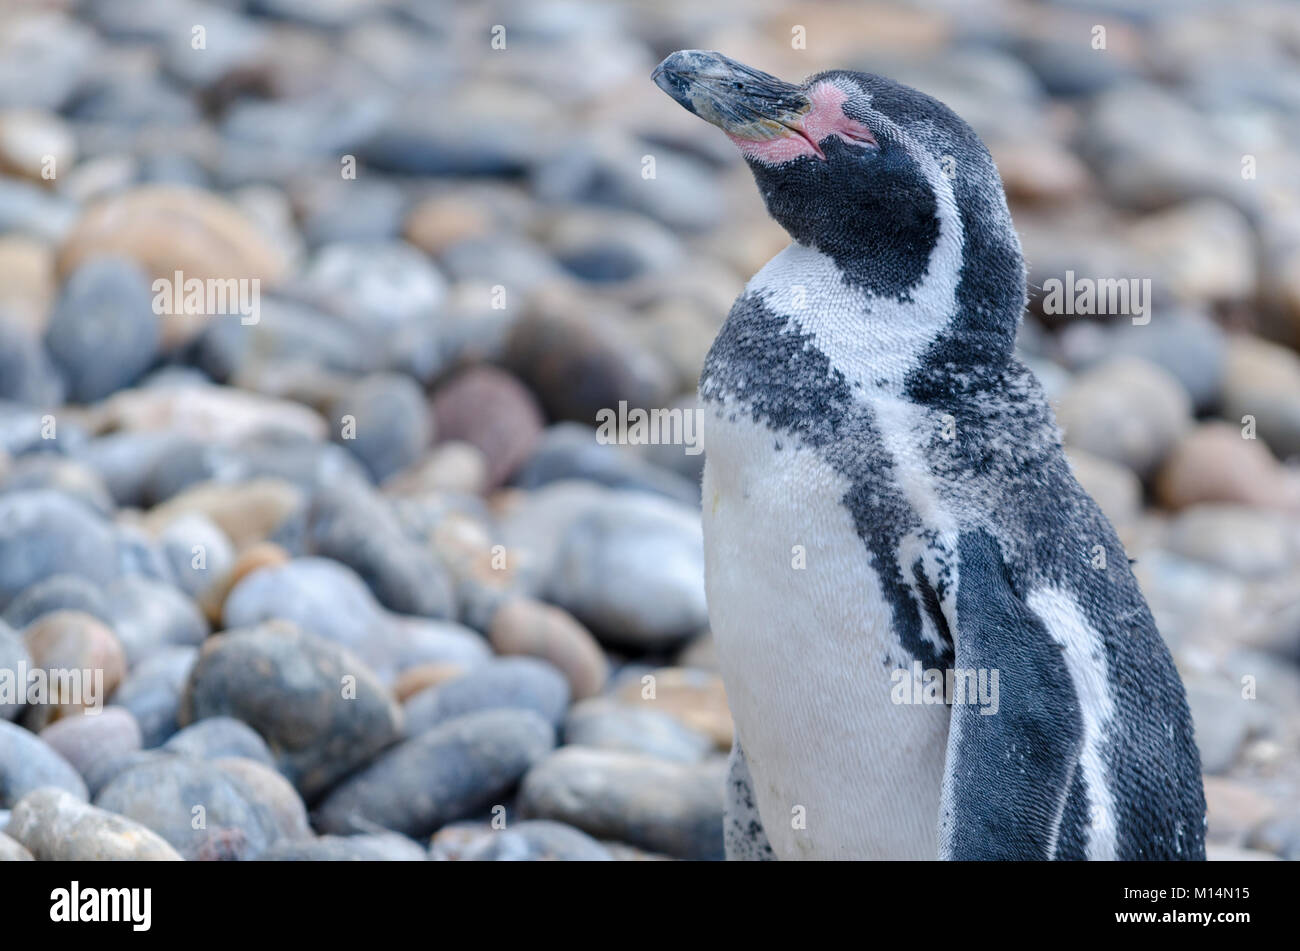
point(247, 512)
point(253, 558)
point(422, 676)
point(1214, 463)
point(526, 626)
point(695, 697)
point(439, 222)
point(66, 641)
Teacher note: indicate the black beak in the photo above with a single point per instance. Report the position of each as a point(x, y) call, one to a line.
point(741, 101)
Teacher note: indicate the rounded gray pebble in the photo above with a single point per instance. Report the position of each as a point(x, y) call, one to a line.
point(217, 737)
point(27, 762)
point(450, 772)
point(521, 683)
point(321, 710)
point(95, 743)
point(152, 692)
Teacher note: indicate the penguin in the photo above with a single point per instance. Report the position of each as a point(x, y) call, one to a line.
point(931, 639)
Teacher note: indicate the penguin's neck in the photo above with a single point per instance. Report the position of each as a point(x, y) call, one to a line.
point(876, 342)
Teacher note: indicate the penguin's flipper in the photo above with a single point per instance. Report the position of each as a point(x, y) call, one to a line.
point(743, 835)
point(1013, 748)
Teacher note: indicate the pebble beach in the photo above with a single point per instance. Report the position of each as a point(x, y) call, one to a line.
point(316, 319)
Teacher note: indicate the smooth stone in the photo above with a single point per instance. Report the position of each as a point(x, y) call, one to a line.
point(27, 374)
point(11, 850)
point(1116, 489)
point(490, 409)
point(352, 211)
point(1215, 462)
point(603, 247)
point(532, 525)
point(517, 683)
point(1149, 148)
point(632, 569)
point(26, 430)
point(383, 421)
point(321, 710)
point(512, 262)
point(59, 827)
point(530, 627)
point(1248, 542)
point(126, 103)
point(290, 333)
point(125, 462)
point(248, 512)
point(152, 692)
point(199, 552)
point(1233, 808)
point(450, 772)
point(46, 470)
point(164, 793)
point(605, 724)
point(73, 641)
point(140, 556)
point(346, 848)
point(103, 333)
point(323, 598)
point(1188, 344)
point(559, 341)
point(420, 640)
point(451, 466)
point(1262, 381)
point(696, 698)
point(438, 222)
point(58, 593)
point(1227, 853)
point(537, 840)
point(207, 413)
point(45, 56)
point(13, 657)
point(234, 45)
point(170, 228)
point(43, 533)
point(1279, 835)
point(218, 737)
point(93, 743)
point(449, 843)
point(360, 530)
point(661, 806)
point(1203, 251)
point(253, 558)
point(384, 287)
point(423, 676)
point(1128, 411)
point(262, 784)
point(1039, 170)
point(30, 211)
point(570, 451)
point(27, 762)
point(685, 195)
point(460, 142)
point(148, 614)
point(1222, 722)
point(680, 329)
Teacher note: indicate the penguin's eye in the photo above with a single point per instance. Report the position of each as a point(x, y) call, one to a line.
point(857, 136)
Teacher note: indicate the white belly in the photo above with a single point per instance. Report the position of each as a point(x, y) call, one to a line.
point(807, 655)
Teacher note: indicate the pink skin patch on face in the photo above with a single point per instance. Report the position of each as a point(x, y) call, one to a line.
point(825, 118)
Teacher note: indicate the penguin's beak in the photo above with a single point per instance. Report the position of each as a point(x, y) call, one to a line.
point(747, 104)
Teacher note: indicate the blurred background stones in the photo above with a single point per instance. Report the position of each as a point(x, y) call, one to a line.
point(356, 566)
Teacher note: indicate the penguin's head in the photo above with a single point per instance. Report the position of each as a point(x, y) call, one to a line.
point(869, 171)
